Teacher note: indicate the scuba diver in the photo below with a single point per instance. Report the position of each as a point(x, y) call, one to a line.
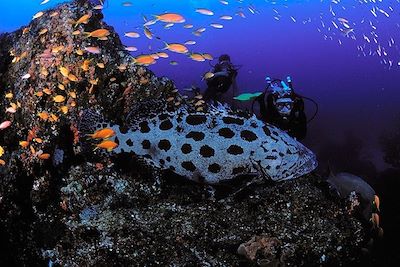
point(282, 107)
point(223, 76)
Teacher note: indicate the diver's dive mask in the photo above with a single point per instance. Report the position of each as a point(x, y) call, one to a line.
point(284, 106)
point(225, 65)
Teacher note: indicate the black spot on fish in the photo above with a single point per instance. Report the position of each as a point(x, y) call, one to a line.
point(163, 116)
point(179, 129)
point(207, 151)
point(288, 152)
point(116, 140)
point(248, 135)
point(238, 170)
point(123, 129)
point(266, 131)
point(186, 148)
point(242, 113)
point(162, 162)
point(164, 144)
point(172, 168)
point(129, 142)
point(214, 168)
point(277, 167)
point(197, 136)
point(213, 122)
point(147, 156)
point(232, 120)
point(281, 154)
point(144, 127)
point(275, 139)
point(196, 119)
point(189, 166)
point(226, 132)
point(235, 150)
point(253, 124)
point(168, 158)
point(146, 144)
point(271, 157)
point(286, 143)
point(166, 125)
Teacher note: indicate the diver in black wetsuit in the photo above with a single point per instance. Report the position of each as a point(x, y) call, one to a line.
point(224, 75)
point(282, 107)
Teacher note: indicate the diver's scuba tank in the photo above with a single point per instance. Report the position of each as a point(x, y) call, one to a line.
point(289, 81)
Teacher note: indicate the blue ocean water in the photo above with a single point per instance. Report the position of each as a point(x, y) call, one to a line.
point(354, 78)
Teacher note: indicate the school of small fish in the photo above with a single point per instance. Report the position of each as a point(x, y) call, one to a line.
point(341, 21)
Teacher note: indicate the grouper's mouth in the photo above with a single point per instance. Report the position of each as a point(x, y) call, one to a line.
point(306, 163)
point(310, 164)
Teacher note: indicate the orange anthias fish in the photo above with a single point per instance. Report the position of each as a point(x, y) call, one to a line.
point(64, 71)
point(107, 144)
point(59, 98)
point(197, 57)
point(144, 60)
point(103, 133)
point(100, 33)
point(38, 15)
point(93, 49)
point(132, 34)
point(207, 56)
point(5, 124)
point(85, 65)
point(376, 201)
point(177, 48)
point(171, 18)
point(84, 19)
point(148, 33)
point(24, 144)
point(162, 55)
point(204, 11)
point(44, 156)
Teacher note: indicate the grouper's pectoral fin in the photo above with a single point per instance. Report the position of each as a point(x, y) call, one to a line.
point(261, 171)
point(259, 179)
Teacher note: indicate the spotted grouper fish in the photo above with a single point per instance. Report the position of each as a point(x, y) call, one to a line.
point(214, 146)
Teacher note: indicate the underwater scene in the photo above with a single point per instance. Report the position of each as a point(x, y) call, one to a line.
point(199, 133)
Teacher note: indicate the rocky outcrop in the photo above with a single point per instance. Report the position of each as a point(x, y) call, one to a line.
point(83, 208)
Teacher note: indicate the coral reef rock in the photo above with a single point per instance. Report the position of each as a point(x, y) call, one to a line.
point(63, 203)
